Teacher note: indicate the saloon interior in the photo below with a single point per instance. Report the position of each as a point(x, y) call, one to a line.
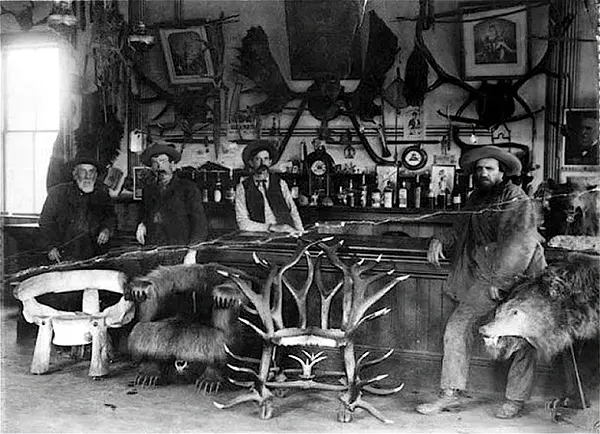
point(370, 105)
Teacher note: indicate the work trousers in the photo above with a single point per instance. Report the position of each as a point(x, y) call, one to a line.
point(458, 339)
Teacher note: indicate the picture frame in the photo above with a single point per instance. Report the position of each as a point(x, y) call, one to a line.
point(140, 175)
point(442, 172)
point(580, 147)
point(187, 55)
point(494, 43)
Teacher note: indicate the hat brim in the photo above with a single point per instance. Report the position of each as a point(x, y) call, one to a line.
point(255, 147)
point(470, 158)
point(157, 150)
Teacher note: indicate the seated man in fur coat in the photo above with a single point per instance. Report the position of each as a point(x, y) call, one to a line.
point(170, 344)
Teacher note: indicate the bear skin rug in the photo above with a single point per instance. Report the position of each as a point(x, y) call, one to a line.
point(549, 312)
point(171, 341)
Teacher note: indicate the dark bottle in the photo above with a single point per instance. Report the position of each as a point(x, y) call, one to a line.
point(350, 197)
point(388, 194)
point(441, 195)
point(376, 195)
point(456, 194)
point(403, 196)
point(218, 191)
point(363, 192)
point(204, 187)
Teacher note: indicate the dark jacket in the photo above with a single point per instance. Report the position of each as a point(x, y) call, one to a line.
point(71, 220)
point(255, 202)
point(174, 216)
point(494, 242)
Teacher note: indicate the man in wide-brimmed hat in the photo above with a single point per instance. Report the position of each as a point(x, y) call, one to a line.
point(78, 217)
point(494, 242)
point(172, 211)
point(263, 202)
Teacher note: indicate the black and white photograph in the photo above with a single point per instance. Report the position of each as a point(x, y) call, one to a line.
point(299, 216)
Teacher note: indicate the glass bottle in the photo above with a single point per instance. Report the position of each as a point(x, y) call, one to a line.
point(217, 193)
point(363, 192)
point(230, 192)
point(204, 187)
point(417, 193)
point(388, 194)
point(350, 194)
point(295, 191)
point(403, 196)
point(376, 196)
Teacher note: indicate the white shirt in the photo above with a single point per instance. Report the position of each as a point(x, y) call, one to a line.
point(242, 215)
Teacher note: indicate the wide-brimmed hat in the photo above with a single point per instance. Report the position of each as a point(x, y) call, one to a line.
point(255, 147)
point(160, 149)
point(470, 158)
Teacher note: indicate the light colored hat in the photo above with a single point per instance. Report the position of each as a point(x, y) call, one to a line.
point(470, 158)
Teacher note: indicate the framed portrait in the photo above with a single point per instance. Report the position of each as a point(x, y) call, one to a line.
point(495, 43)
point(187, 55)
point(141, 175)
point(441, 174)
point(580, 140)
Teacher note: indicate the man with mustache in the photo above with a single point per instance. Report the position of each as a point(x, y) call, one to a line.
point(78, 218)
point(172, 211)
point(263, 202)
point(494, 241)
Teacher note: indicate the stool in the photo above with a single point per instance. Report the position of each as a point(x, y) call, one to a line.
point(74, 328)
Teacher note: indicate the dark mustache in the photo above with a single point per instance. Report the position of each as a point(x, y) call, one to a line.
point(262, 168)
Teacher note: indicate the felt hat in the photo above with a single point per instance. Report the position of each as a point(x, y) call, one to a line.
point(160, 149)
point(255, 147)
point(470, 158)
point(85, 157)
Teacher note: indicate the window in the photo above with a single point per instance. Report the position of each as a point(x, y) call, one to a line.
point(31, 109)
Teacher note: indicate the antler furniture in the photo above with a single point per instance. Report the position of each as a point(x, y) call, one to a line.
point(268, 306)
point(74, 328)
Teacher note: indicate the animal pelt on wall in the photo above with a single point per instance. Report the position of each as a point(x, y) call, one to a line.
point(550, 311)
point(162, 337)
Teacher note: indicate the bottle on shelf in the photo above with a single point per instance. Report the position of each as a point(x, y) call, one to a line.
point(204, 187)
point(376, 196)
point(350, 197)
point(417, 193)
point(218, 191)
point(341, 196)
point(457, 194)
point(448, 196)
point(363, 192)
point(403, 196)
point(441, 195)
point(388, 195)
point(230, 192)
point(295, 190)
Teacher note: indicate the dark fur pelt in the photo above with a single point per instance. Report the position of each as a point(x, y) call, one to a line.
point(179, 339)
point(550, 311)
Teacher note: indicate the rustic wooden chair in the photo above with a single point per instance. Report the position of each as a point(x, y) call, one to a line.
point(268, 305)
point(74, 328)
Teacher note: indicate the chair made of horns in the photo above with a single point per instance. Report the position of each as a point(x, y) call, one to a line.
point(74, 328)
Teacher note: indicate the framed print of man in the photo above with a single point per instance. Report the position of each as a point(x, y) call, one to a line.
point(581, 137)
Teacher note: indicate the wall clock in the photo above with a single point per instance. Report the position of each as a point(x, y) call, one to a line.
point(414, 158)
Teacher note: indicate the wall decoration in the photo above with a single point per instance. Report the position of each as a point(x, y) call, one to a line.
point(322, 38)
point(441, 174)
point(495, 43)
point(141, 175)
point(413, 123)
point(187, 55)
point(580, 139)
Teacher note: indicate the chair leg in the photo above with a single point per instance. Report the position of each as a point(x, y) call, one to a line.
point(40, 364)
point(99, 361)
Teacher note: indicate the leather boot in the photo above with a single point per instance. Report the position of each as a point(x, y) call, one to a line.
point(509, 409)
point(449, 398)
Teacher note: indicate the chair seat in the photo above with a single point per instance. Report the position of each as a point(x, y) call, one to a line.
point(310, 336)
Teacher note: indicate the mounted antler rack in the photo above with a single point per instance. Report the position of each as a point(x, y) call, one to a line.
point(356, 277)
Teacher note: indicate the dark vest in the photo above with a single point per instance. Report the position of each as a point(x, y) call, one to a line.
point(256, 205)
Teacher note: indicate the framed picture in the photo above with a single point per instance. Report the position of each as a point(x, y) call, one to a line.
point(441, 174)
point(494, 43)
point(580, 140)
point(141, 175)
point(413, 123)
point(187, 55)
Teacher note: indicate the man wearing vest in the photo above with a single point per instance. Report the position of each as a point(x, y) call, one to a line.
point(278, 213)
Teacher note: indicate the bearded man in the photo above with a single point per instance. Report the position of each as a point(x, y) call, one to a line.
point(172, 211)
point(78, 218)
point(494, 242)
point(263, 202)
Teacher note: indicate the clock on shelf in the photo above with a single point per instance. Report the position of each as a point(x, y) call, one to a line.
point(319, 165)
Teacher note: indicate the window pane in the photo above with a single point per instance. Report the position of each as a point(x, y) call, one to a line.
point(18, 161)
point(48, 90)
point(44, 142)
point(20, 91)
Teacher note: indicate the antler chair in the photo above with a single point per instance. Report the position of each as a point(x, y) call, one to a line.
point(74, 328)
